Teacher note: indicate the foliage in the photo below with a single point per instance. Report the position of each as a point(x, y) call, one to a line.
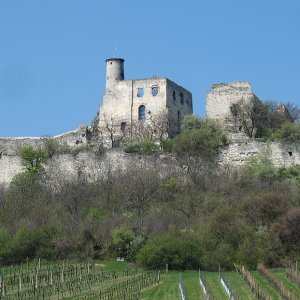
point(176, 250)
point(167, 145)
point(32, 159)
point(132, 147)
point(260, 119)
point(51, 147)
point(260, 166)
point(199, 138)
point(145, 146)
point(29, 244)
point(222, 216)
point(288, 133)
point(122, 239)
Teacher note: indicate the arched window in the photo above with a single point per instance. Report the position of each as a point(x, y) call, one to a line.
point(142, 112)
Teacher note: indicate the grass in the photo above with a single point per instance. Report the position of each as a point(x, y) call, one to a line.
point(213, 281)
point(191, 283)
point(263, 282)
point(167, 289)
point(239, 285)
point(280, 274)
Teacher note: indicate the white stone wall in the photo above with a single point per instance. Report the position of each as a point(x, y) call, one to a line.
point(223, 95)
point(91, 166)
point(121, 101)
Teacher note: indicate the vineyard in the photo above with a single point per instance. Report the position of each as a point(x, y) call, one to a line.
point(120, 280)
point(73, 281)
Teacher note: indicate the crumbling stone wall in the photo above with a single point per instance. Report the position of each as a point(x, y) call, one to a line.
point(223, 95)
point(159, 97)
point(89, 165)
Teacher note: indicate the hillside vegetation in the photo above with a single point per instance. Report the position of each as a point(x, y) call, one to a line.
point(195, 216)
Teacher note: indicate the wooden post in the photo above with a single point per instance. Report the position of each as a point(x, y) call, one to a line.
point(20, 282)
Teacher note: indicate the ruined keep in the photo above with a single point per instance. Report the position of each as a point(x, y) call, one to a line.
point(128, 104)
point(223, 95)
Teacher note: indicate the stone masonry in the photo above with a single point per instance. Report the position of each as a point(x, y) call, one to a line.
point(127, 103)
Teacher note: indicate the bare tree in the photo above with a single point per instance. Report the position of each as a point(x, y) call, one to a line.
point(115, 131)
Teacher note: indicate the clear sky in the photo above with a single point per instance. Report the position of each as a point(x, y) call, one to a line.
point(52, 53)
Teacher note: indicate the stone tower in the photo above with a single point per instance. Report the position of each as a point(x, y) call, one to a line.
point(114, 72)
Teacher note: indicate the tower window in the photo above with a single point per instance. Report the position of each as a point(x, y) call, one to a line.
point(154, 90)
point(140, 92)
point(123, 126)
point(181, 98)
point(142, 112)
point(174, 96)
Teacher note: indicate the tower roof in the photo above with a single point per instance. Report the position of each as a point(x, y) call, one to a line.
point(115, 59)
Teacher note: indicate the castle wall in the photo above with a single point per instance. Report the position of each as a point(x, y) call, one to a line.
point(179, 103)
point(90, 165)
point(122, 101)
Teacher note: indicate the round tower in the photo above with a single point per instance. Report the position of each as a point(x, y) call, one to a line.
point(114, 71)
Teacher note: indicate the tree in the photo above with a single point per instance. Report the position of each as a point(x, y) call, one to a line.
point(196, 147)
point(261, 119)
point(32, 159)
point(250, 116)
point(199, 138)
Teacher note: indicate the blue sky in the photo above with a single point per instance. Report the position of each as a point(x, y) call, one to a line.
point(52, 53)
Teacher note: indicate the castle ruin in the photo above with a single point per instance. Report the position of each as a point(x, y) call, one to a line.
point(130, 106)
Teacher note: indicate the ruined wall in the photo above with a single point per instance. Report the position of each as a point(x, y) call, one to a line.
point(223, 95)
point(90, 165)
point(10, 163)
point(236, 154)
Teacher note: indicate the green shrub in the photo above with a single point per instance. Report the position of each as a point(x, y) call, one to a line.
point(176, 250)
point(132, 147)
point(32, 159)
point(29, 244)
point(147, 146)
point(288, 132)
point(199, 138)
point(167, 145)
point(122, 238)
point(51, 147)
point(261, 166)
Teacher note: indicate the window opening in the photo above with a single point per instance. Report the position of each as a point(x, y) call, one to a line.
point(123, 126)
point(142, 112)
point(154, 90)
point(290, 153)
point(174, 96)
point(181, 98)
point(140, 92)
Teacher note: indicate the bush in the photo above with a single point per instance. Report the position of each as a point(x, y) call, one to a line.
point(122, 238)
point(132, 147)
point(32, 159)
point(176, 250)
point(199, 138)
point(147, 146)
point(167, 145)
point(29, 244)
point(288, 132)
point(51, 147)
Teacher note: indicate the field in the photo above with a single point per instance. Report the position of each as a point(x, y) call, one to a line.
point(120, 280)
